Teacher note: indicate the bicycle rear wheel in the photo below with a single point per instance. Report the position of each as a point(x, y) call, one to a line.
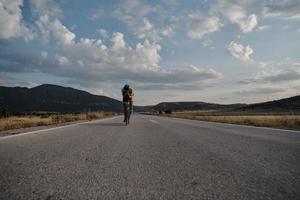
point(127, 114)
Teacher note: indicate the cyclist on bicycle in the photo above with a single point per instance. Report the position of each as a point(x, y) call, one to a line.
point(127, 93)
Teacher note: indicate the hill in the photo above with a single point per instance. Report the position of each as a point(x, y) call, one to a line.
point(291, 104)
point(287, 105)
point(53, 98)
point(190, 106)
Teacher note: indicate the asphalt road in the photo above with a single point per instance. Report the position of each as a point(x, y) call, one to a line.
point(152, 158)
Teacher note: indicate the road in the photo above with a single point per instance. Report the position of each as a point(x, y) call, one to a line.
point(152, 158)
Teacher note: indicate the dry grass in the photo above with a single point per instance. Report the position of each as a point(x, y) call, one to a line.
point(15, 122)
point(276, 121)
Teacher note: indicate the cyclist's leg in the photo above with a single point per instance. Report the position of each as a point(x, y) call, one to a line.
point(130, 107)
point(124, 109)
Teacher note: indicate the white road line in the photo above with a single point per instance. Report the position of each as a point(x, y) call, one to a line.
point(50, 129)
point(155, 122)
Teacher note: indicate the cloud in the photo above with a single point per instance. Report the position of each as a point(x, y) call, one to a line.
point(132, 12)
point(283, 75)
point(62, 60)
point(168, 31)
point(46, 7)
point(96, 15)
point(169, 87)
point(149, 31)
point(260, 91)
point(136, 15)
point(275, 76)
point(60, 32)
point(208, 43)
point(118, 40)
point(102, 32)
point(44, 55)
point(91, 61)
point(199, 26)
point(289, 9)
point(11, 21)
point(236, 13)
point(240, 52)
point(261, 28)
point(10, 18)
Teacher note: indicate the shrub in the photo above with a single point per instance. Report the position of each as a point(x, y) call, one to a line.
point(168, 111)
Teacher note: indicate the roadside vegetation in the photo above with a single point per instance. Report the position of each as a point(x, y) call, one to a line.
point(284, 121)
point(24, 121)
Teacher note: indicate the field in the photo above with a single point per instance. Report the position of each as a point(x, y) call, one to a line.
point(285, 121)
point(15, 122)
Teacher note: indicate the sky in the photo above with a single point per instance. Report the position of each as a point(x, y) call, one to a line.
point(221, 51)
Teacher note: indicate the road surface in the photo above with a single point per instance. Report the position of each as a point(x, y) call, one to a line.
point(152, 158)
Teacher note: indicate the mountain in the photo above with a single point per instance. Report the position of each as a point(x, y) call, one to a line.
point(53, 98)
point(190, 106)
point(291, 104)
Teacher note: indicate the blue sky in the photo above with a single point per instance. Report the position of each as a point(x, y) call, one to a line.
point(223, 51)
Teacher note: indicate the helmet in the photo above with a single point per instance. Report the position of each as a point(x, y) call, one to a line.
point(126, 87)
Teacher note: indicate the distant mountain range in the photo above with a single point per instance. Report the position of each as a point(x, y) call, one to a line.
point(190, 106)
point(291, 104)
point(53, 98)
point(288, 105)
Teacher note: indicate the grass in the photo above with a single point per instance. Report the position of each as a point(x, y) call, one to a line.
point(15, 122)
point(274, 121)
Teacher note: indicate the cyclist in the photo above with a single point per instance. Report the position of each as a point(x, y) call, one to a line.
point(127, 93)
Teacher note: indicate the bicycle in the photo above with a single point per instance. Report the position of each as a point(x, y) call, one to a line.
point(127, 112)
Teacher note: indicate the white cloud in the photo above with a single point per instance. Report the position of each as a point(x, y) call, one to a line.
point(102, 32)
point(136, 15)
point(289, 9)
point(11, 21)
point(92, 62)
point(62, 60)
point(261, 90)
point(248, 24)
point(236, 13)
point(27, 33)
point(263, 64)
point(132, 11)
point(168, 31)
point(208, 43)
point(10, 18)
point(261, 28)
point(270, 75)
point(276, 76)
point(240, 52)
point(149, 31)
point(44, 55)
point(199, 26)
point(62, 33)
point(118, 40)
point(46, 7)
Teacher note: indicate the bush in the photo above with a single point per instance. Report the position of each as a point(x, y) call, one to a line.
point(168, 111)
